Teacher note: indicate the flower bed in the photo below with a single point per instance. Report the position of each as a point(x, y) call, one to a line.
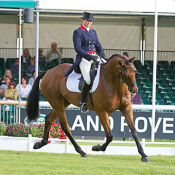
point(2, 128)
point(22, 130)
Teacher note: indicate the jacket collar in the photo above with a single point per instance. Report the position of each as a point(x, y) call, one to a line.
point(83, 28)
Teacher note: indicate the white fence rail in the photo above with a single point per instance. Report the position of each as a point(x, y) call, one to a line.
point(140, 107)
point(26, 144)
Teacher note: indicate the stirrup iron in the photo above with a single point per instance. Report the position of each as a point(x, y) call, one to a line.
point(83, 107)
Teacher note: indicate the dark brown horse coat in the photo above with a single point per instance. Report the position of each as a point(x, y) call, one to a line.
point(117, 81)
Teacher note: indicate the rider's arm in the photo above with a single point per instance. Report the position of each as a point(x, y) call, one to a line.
point(98, 46)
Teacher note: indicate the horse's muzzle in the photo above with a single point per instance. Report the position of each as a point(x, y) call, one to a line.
point(133, 89)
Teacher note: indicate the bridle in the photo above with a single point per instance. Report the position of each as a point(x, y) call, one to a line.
point(129, 84)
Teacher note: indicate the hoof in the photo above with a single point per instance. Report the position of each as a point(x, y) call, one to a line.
point(145, 159)
point(38, 145)
point(84, 155)
point(96, 148)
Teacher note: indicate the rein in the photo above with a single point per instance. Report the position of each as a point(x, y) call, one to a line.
point(123, 81)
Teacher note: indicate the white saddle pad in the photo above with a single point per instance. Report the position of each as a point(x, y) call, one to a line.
point(73, 81)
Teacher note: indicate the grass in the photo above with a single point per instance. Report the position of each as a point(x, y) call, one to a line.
point(15, 162)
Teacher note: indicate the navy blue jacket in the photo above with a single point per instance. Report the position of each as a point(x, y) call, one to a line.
point(84, 42)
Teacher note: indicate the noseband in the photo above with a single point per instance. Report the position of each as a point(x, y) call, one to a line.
point(124, 81)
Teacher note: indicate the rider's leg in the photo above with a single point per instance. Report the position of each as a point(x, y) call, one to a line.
point(85, 66)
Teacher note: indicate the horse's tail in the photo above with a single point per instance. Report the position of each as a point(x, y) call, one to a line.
point(33, 99)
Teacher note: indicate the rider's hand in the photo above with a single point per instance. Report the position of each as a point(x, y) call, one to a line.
point(94, 58)
point(102, 55)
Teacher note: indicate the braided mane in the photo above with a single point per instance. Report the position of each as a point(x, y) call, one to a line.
point(121, 56)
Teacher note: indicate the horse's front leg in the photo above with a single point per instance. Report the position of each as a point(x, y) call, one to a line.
point(128, 113)
point(104, 119)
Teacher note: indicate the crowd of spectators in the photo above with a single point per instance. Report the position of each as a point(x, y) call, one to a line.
point(9, 89)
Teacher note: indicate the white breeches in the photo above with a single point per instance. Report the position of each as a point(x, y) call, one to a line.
point(85, 67)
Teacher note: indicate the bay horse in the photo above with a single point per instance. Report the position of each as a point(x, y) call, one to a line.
point(117, 81)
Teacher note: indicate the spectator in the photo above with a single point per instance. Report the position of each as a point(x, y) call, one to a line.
point(7, 73)
point(126, 54)
point(25, 58)
point(15, 68)
point(53, 55)
point(31, 67)
point(25, 87)
point(32, 79)
point(135, 98)
point(11, 93)
point(4, 86)
point(41, 57)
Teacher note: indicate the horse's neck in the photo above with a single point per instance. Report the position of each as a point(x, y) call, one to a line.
point(113, 68)
point(112, 74)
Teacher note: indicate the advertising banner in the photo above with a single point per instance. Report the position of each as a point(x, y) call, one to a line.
point(88, 124)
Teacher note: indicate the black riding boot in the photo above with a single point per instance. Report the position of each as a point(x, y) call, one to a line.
point(84, 92)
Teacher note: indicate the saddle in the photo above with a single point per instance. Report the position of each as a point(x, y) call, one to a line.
point(74, 78)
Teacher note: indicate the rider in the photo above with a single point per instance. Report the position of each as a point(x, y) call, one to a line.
point(85, 43)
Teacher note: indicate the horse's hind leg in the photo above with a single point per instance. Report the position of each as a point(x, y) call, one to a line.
point(64, 125)
point(48, 123)
point(104, 119)
point(128, 113)
point(69, 135)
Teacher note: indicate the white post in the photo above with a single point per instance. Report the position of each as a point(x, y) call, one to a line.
point(19, 92)
point(143, 143)
point(37, 40)
point(154, 74)
point(67, 145)
point(29, 142)
point(141, 52)
point(143, 56)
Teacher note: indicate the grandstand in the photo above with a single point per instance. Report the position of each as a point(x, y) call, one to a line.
point(165, 82)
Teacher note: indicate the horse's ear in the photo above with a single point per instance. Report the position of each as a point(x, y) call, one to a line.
point(121, 63)
point(132, 59)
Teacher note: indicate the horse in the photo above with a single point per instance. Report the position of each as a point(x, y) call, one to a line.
point(117, 81)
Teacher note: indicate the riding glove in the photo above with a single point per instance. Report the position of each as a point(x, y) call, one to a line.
point(94, 58)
